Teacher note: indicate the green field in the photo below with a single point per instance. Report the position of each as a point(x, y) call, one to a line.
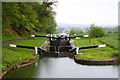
point(98, 53)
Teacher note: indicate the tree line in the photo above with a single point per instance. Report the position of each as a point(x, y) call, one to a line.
point(94, 31)
point(29, 16)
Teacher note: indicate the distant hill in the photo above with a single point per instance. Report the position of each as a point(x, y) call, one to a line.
point(68, 27)
point(111, 29)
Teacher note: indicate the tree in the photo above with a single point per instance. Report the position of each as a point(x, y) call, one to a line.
point(96, 31)
point(28, 16)
point(72, 31)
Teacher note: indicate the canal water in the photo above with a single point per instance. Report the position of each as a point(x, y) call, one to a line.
point(63, 68)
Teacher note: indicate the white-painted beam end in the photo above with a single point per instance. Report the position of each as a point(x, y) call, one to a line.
point(102, 45)
point(32, 35)
point(13, 45)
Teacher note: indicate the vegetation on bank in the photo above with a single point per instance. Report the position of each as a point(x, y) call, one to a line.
point(111, 40)
point(98, 53)
point(11, 56)
point(20, 20)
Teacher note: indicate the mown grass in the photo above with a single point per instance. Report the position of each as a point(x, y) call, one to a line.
point(111, 40)
point(85, 42)
point(35, 42)
point(96, 53)
point(10, 56)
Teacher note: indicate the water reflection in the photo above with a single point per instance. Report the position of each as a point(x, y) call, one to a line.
point(64, 68)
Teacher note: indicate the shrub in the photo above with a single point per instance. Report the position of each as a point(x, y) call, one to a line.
point(116, 54)
point(96, 31)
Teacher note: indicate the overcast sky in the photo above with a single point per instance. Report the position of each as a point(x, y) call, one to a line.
point(100, 12)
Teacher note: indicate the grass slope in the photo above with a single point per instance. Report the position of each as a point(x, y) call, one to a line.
point(10, 56)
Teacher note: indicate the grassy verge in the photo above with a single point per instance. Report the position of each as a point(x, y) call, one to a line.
point(96, 53)
point(11, 56)
point(111, 40)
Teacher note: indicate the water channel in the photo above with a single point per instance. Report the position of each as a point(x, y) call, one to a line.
point(63, 68)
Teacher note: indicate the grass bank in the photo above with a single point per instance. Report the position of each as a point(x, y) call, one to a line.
point(96, 53)
point(111, 40)
point(11, 56)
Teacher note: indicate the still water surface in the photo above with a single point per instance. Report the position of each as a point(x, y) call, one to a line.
point(63, 68)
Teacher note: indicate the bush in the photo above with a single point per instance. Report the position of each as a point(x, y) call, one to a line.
point(116, 54)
